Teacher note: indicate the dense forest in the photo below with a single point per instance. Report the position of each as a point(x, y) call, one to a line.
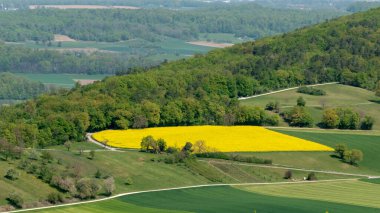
point(204, 89)
point(18, 59)
point(243, 20)
point(19, 88)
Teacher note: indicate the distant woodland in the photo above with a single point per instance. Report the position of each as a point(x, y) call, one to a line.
point(243, 20)
point(204, 89)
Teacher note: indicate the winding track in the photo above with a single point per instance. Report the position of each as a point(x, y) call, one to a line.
point(178, 188)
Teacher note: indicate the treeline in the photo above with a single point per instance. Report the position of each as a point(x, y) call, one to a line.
point(24, 4)
point(20, 59)
point(204, 89)
point(19, 88)
point(243, 20)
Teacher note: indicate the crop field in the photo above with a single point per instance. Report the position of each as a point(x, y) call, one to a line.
point(368, 144)
point(168, 48)
point(361, 100)
point(241, 199)
point(61, 80)
point(221, 138)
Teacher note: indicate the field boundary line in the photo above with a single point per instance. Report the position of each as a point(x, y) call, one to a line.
point(283, 90)
point(179, 188)
point(278, 166)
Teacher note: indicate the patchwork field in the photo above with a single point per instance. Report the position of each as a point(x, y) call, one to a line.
point(241, 199)
point(221, 138)
point(61, 80)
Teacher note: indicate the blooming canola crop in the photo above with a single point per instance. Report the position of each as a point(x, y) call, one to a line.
point(222, 138)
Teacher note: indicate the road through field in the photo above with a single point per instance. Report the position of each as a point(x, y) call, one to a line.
point(178, 188)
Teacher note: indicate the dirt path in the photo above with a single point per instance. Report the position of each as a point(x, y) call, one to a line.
point(179, 188)
point(277, 166)
point(283, 90)
point(90, 139)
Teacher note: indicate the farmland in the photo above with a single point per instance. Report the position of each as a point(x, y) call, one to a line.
point(241, 199)
point(369, 144)
point(60, 80)
point(222, 138)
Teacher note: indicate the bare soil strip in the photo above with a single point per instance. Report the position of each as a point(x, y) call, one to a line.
point(62, 38)
point(210, 44)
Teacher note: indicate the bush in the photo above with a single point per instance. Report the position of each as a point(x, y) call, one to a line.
point(311, 91)
point(12, 174)
point(109, 186)
point(311, 176)
point(301, 102)
point(171, 150)
point(288, 174)
point(87, 188)
point(128, 181)
point(367, 123)
point(298, 116)
point(98, 174)
point(55, 198)
point(15, 200)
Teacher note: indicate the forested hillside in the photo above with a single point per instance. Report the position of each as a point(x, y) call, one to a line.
point(14, 87)
point(204, 89)
point(243, 20)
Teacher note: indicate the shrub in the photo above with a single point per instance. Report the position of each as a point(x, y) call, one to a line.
point(87, 188)
point(367, 123)
point(340, 149)
point(311, 91)
point(288, 174)
point(12, 174)
point(47, 156)
point(128, 181)
point(92, 154)
point(311, 176)
point(301, 102)
point(15, 200)
point(171, 150)
point(55, 198)
point(98, 174)
point(109, 185)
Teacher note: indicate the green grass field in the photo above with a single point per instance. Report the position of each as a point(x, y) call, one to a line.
point(228, 199)
point(168, 48)
point(366, 194)
point(369, 144)
point(338, 95)
point(61, 80)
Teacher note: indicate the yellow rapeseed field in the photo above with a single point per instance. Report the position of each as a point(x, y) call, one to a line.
point(222, 138)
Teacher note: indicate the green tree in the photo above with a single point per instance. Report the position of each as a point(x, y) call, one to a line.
point(161, 143)
point(12, 174)
point(353, 156)
point(367, 123)
point(68, 145)
point(148, 143)
point(330, 119)
point(92, 154)
point(15, 200)
point(301, 102)
point(298, 116)
point(377, 91)
point(340, 149)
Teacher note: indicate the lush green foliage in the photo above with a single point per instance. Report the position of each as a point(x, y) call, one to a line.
point(14, 87)
point(203, 89)
point(311, 91)
point(246, 20)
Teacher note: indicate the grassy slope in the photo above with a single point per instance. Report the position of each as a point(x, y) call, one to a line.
point(369, 144)
point(366, 194)
point(337, 96)
point(29, 187)
point(212, 199)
